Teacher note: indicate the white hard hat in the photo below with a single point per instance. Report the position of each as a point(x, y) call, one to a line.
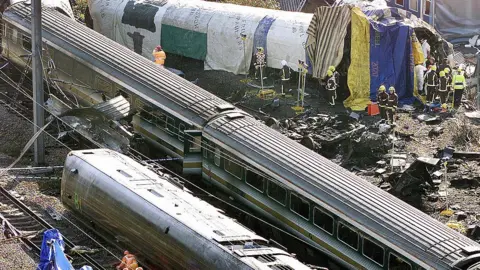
point(284, 63)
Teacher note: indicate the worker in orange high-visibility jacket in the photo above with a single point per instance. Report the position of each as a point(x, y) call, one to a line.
point(129, 262)
point(159, 55)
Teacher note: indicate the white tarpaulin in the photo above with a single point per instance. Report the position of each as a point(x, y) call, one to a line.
point(204, 30)
point(63, 5)
point(225, 47)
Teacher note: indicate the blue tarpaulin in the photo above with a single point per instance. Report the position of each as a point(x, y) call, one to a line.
point(52, 256)
point(391, 60)
point(260, 36)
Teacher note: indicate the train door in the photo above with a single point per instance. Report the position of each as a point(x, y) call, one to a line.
point(192, 158)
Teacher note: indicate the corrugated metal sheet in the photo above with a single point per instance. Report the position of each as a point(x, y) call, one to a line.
point(326, 35)
point(459, 58)
point(383, 214)
point(116, 108)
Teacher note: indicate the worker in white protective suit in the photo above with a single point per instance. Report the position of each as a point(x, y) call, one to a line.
point(420, 73)
point(426, 49)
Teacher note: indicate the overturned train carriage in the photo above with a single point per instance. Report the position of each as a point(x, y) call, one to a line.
point(205, 30)
point(164, 222)
point(333, 210)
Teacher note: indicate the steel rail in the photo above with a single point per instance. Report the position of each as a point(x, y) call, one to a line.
point(46, 225)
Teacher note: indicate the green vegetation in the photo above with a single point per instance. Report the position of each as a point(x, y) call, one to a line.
point(79, 9)
point(271, 4)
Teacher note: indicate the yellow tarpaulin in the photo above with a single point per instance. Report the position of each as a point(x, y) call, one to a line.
point(359, 70)
point(418, 59)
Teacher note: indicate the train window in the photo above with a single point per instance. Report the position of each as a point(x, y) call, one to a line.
point(206, 149)
point(216, 158)
point(427, 5)
point(347, 235)
point(397, 263)
point(84, 75)
point(323, 220)
point(124, 173)
point(159, 119)
point(300, 206)
point(26, 43)
point(63, 63)
point(231, 166)
point(399, 2)
point(255, 180)
point(277, 193)
point(170, 125)
point(181, 132)
point(413, 5)
point(14, 35)
point(373, 251)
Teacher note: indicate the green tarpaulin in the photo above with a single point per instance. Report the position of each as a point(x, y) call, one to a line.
point(184, 42)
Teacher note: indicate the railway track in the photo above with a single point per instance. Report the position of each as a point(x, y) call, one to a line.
point(29, 222)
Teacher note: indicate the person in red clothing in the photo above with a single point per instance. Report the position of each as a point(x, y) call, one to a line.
point(129, 262)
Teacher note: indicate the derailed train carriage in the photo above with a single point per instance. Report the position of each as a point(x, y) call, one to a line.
point(166, 222)
point(344, 216)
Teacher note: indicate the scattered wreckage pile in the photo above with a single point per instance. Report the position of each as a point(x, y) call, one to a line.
point(429, 159)
point(344, 138)
point(100, 123)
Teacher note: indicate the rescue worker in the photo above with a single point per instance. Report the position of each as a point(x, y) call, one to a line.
point(454, 71)
point(159, 55)
point(431, 81)
point(449, 79)
point(285, 75)
point(420, 74)
point(425, 49)
point(331, 88)
point(458, 84)
point(129, 262)
point(430, 62)
point(336, 75)
point(443, 87)
point(382, 99)
point(260, 62)
point(392, 104)
point(461, 69)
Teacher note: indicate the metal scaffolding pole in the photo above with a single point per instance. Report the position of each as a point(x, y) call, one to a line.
point(37, 81)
